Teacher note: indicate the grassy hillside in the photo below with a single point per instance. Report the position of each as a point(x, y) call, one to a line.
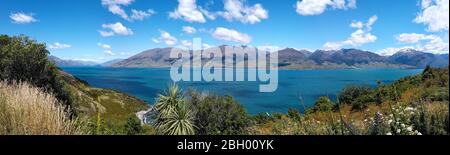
point(106, 108)
point(415, 105)
point(23, 60)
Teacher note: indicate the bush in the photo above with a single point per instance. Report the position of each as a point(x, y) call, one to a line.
point(262, 118)
point(351, 94)
point(25, 60)
point(219, 115)
point(362, 102)
point(294, 114)
point(133, 126)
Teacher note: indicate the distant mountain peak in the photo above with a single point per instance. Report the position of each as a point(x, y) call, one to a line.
point(408, 50)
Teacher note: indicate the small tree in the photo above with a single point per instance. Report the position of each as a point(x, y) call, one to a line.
point(323, 104)
point(133, 126)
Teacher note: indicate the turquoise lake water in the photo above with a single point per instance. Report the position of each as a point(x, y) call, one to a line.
point(309, 84)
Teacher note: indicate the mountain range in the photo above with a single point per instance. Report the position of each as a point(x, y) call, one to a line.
point(290, 58)
point(80, 63)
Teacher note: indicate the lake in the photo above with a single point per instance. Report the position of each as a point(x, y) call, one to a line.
point(293, 84)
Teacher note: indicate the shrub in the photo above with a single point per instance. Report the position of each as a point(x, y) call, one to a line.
point(294, 114)
point(26, 110)
point(219, 115)
point(351, 94)
point(323, 104)
point(25, 60)
point(133, 126)
point(261, 118)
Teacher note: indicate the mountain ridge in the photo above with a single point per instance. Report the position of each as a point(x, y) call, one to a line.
point(290, 58)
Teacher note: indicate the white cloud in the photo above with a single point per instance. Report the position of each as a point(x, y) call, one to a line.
point(357, 24)
point(392, 51)
point(419, 42)
point(316, 7)
point(231, 35)
point(104, 46)
point(22, 18)
point(206, 46)
point(413, 37)
point(186, 43)
point(189, 30)
point(189, 11)
point(58, 45)
point(234, 10)
point(106, 49)
point(434, 14)
point(115, 29)
point(141, 15)
point(426, 43)
point(238, 10)
point(116, 7)
point(166, 38)
point(109, 52)
point(189, 45)
point(361, 36)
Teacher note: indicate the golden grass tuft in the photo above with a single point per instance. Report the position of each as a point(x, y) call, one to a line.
point(26, 110)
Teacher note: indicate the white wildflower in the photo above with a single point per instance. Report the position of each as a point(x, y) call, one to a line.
point(403, 125)
point(389, 133)
point(409, 128)
point(399, 130)
point(390, 122)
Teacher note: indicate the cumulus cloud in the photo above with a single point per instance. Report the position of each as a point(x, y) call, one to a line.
point(189, 11)
point(58, 45)
point(106, 49)
point(115, 29)
point(22, 18)
point(189, 45)
point(116, 7)
point(423, 42)
point(392, 51)
point(420, 42)
point(166, 38)
point(189, 30)
point(239, 11)
point(316, 7)
point(358, 38)
point(434, 14)
point(141, 15)
point(234, 10)
point(231, 35)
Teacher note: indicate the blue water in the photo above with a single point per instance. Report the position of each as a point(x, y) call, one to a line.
point(309, 84)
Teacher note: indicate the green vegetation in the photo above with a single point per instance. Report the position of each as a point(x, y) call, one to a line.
point(323, 104)
point(26, 110)
point(217, 115)
point(175, 114)
point(199, 114)
point(415, 105)
point(38, 98)
point(23, 60)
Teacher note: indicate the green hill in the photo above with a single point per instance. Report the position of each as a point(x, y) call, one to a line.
point(103, 111)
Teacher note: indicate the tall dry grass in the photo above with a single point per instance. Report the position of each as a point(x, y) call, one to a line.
point(26, 110)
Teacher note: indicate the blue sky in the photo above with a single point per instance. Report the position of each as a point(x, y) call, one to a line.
point(102, 30)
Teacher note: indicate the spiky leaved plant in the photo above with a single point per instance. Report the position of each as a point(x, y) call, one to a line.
point(175, 115)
